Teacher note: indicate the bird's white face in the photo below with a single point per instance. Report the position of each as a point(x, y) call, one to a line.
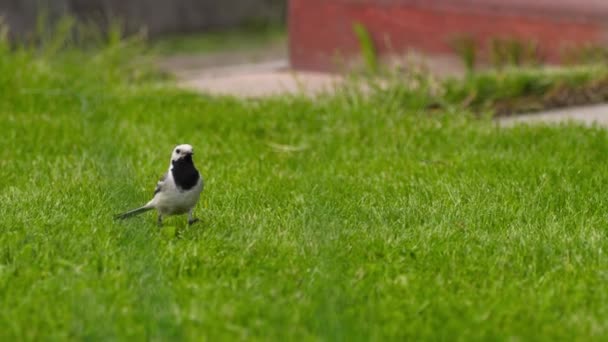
point(181, 151)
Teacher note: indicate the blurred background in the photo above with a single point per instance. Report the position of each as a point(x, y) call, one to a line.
point(159, 17)
point(245, 47)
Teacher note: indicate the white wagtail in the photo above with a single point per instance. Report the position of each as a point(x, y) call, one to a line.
point(177, 191)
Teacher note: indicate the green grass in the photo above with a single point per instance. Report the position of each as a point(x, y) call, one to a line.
point(510, 91)
point(231, 40)
point(521, 90)
point(343, 218)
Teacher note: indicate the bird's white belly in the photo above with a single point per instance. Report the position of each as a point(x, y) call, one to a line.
point(175, 202)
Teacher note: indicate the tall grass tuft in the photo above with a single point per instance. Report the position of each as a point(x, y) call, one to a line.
point(367, 47)
point(466, 48)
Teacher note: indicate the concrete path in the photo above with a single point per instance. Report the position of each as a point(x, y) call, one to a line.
point(259, 79)
point(266, 73)
point(587, 115)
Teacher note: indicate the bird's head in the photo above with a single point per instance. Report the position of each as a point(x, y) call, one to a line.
point(183, 151)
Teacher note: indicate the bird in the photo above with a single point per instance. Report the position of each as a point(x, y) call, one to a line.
point(178, 190)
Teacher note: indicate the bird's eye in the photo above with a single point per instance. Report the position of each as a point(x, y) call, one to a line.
point(177, 151)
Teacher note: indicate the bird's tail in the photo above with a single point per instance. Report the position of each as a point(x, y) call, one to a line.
point(133, 212)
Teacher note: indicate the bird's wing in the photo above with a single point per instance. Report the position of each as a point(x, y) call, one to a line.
point(160, 184)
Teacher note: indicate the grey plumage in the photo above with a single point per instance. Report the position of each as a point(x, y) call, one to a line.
point(159, 185)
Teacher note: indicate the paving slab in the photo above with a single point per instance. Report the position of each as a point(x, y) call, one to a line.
point(267, 72)
point(586, 115)
point(260, 80)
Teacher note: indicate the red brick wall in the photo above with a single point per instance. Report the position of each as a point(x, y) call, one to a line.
point(321, 30)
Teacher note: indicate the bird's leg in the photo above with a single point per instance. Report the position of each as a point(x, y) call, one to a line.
point(159, 222)
point(191, 219)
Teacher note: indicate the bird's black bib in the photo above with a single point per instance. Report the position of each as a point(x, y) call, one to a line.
point(184, 173)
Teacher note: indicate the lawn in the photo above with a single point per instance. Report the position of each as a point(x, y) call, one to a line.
point(344, 218)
